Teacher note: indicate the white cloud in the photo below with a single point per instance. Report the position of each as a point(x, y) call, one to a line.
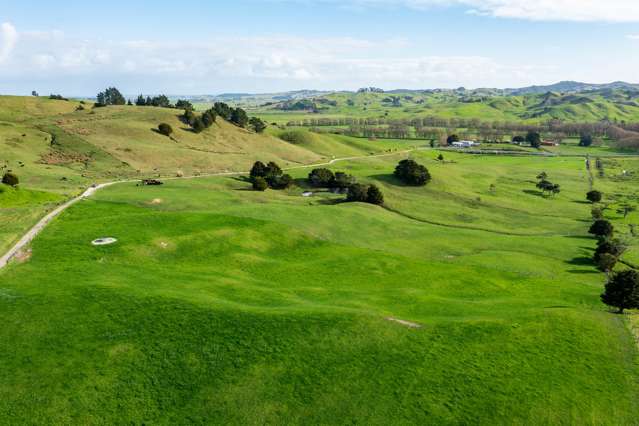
point(536, 10)
point(274, 61)
point(633, 36)
point(8, 39)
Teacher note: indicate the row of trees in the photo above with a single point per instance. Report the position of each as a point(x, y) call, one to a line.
point(340, 181)
point(622, 288)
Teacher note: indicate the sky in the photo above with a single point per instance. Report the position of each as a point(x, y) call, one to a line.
point(77, 48)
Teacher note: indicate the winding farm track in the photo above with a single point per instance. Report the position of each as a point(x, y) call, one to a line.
point(42, 223)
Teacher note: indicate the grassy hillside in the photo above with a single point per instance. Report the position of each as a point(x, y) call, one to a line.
point(590, 106)
point(223, 305)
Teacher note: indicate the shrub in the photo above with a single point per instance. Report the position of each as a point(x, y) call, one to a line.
point(280, 181)
point(374, 195)
point(165, 129)
point(321, 177)
point(610, 246)
point(594, 196)
point(342, 180)
point(606, 262)
point(259, 183)
point(357, 192)
point(452, 138)
point(257, 124)
point(198, 125)
point(10, 179)
point(412, 173)
point(622, 290)
point(601, 228)
point(258, 169)
point(585, 140)
point(596, 213)
point(519, 139)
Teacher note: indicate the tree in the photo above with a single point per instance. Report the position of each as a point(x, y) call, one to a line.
point(198, 125)
point(542, 176)
point(585, 140)
point(452, 138)
point(140, 101)
point(184, 104)
point(280, 181)
point(257, 124)
point(601, 228)
point(10, 179)
point(272, 169)
point(519, 139)
point(622, 290)
point(208, 118)
point(110, 96)
point(357, 193)
point(260, 184)
point(165, 129)
point(239, 117)
point(606, 262)
point(534, 139)
point(612, 246)
point(440, 157)
point(321, 177)
point(342, 180)
point(596, 213)
point(374, 195)
point(34, 93)
point(258, 170)
point(412, 173)
point(594, 196)
point(189, 117)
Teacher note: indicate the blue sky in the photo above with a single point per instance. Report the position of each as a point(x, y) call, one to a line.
point(273, 45)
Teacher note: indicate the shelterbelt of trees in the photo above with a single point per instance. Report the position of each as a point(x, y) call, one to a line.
point(237, 116)
point(431, 127)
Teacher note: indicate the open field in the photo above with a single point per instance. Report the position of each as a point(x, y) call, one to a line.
point(223, 305)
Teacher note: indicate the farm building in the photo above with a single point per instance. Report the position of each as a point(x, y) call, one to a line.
point(464, 144)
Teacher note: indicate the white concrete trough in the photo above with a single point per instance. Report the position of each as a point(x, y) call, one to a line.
point(307, 194)
point(104, 241)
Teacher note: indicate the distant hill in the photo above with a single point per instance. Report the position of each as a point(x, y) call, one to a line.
point(572, 86)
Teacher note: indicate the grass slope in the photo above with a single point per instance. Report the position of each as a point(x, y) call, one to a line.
point(223, 305)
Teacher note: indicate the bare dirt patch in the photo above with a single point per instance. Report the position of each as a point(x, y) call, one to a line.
point(156, 201)
point(405, 323)
point(23, 256)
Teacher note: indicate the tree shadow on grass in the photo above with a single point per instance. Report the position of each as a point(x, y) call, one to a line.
point(390, 179)
point(581, 202)
point(580, 261)
point(533, 192)
point(582, 271)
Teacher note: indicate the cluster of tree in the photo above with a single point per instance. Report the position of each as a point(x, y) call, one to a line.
point(325, 178)
point(365, 194)
point(547, 187)
point(199, 123)
point(10, 179)
point(56, 97)
point(157, 101)
point(269, 175)
point(111, 96)
point(236, 116)
point(370, 90)
point(412, 173)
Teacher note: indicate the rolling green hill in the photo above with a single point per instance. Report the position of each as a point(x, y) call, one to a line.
point(621, 104)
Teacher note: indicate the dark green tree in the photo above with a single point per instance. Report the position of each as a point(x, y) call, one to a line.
point(257, 124)
point(198, 125)
point(594, 196)
point(342, 180)
point(111, 96)
point(585, 140)
point(258, 170)
point(165, 129)
point(412, 173)
point(452, 138)
point(606, 262)
point(10, 179)
point(622, 290)
point(601, 228)
point(357, 192)
point(140, 101)
point(321, 178)
point(534, 139)
point(519, 139)
point(208, 118)
point(184, 104)
point(280, 181)
point(239, 117)
point(374, 195)
point(260, 184)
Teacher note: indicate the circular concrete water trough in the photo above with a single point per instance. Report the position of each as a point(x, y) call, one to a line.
point(104, 241)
